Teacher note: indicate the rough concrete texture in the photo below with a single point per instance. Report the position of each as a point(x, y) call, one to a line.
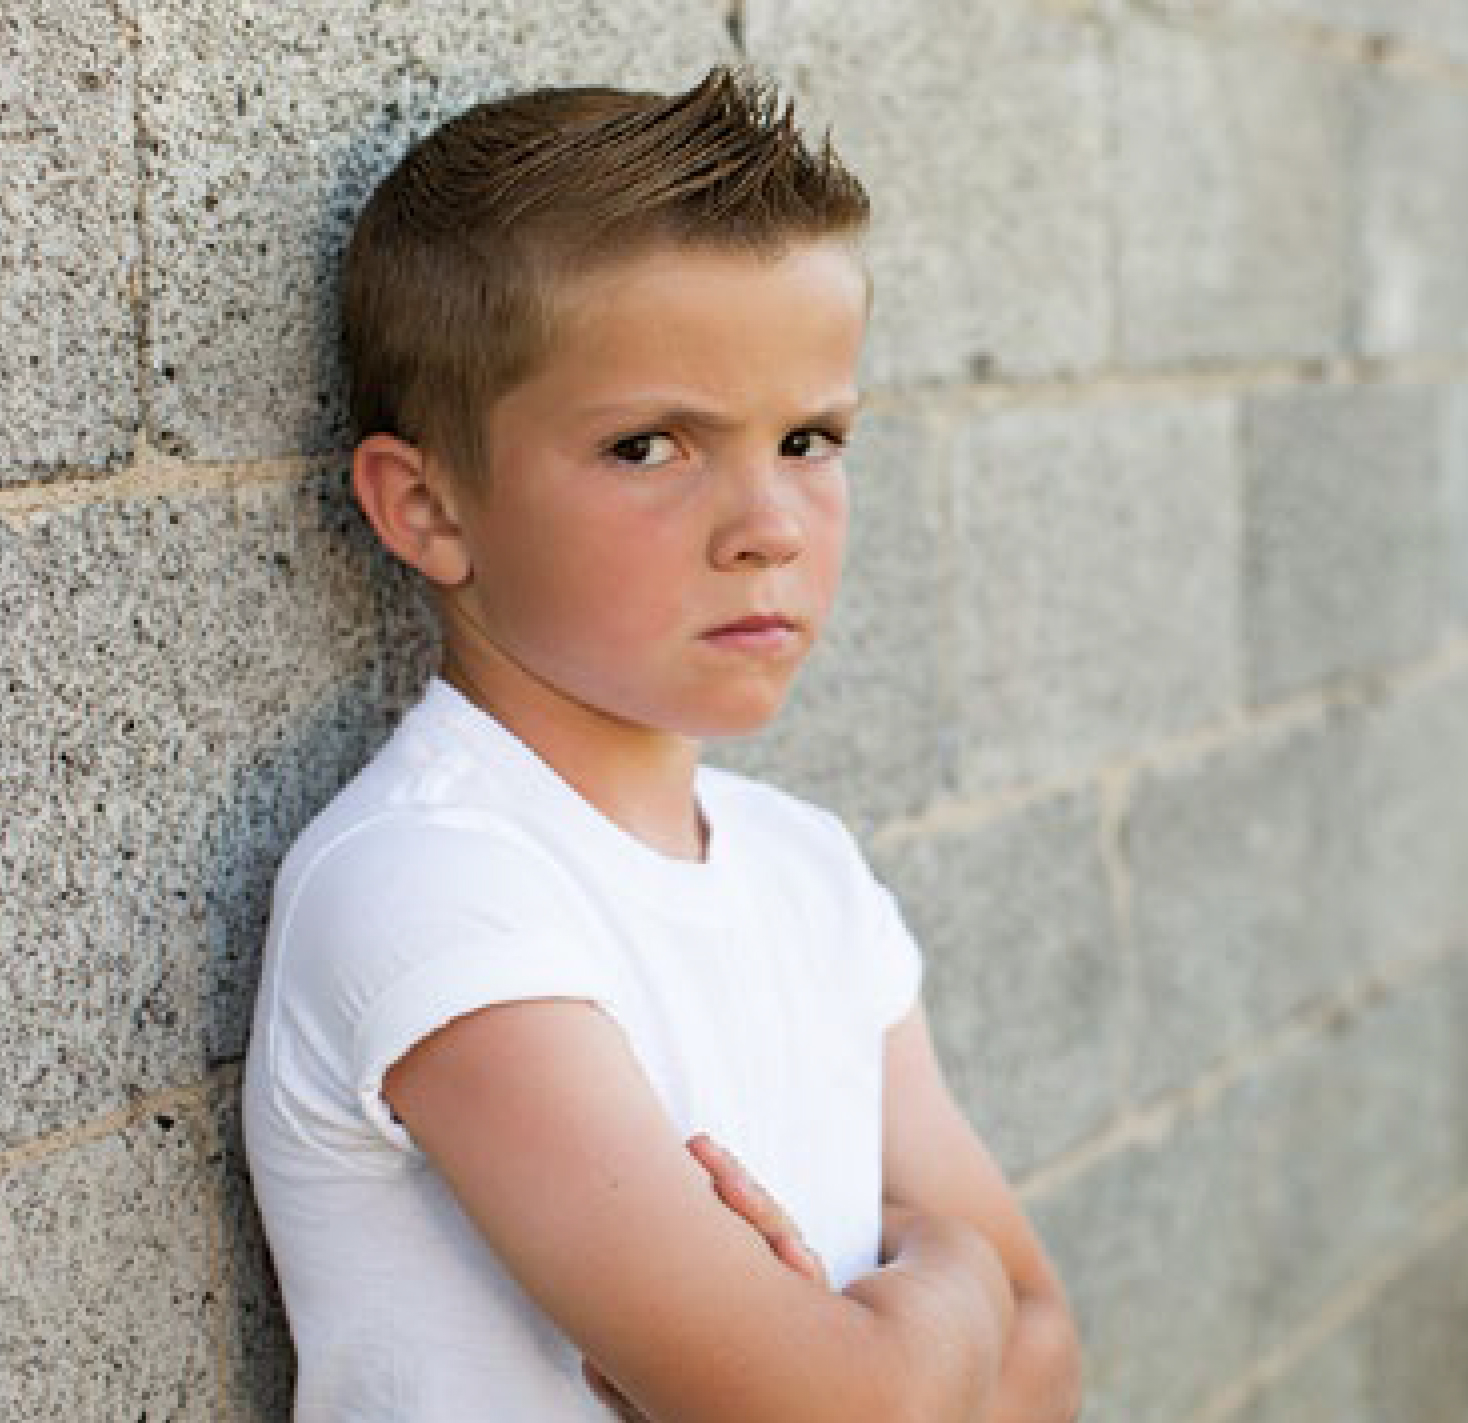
point(1282, 870)
point(1319, 512)
point(1247, 894)
point(1097, 582)
point(68, 245)
point(1326, 1213)
point(1413, 816)
point(1154, 1245)
point(982, 128)
point(1411, 288)
point(1023, 981)
point(1232, 196)
point(1168, 426)
point(853, 736)
point(1195, 1250)
point(1436, 27)
point(1455, 496)
point(259, 1372)
point(1403, 1361)
point(105, 1284)
point(265, 127)
point(166, 739)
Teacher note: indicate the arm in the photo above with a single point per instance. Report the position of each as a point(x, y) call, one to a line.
point(543, 1124)
point(934, 1164)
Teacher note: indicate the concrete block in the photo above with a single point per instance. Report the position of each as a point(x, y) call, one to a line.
point(1413, 1340)
point(1276, 873)
point(1433, 26)
point(1400, 1358)
point(1413, 818)
point(1153, 1244)
point(1190, 1252)
point(1329, 1385)
point(188, 680)
point(259, 1359)
point(1411, 284)
point(980, 130)
point(1349, 1142)
point(1345, 546)
point(105, 1283)
point(1023, 983)
point(1455, 496)
point(267, 125)
point(1231, 193)
point(1246, 894)
point(870, 730)
point(68, 242)
point(1097, 577)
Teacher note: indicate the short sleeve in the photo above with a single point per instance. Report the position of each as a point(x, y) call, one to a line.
point(895, 961)
point(491, 967)
point(403, 928)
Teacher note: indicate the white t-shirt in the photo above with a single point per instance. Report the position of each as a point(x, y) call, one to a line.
point(459, 870)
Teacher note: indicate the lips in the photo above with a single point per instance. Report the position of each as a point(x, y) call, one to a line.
point(759, 632)
point(758, 622)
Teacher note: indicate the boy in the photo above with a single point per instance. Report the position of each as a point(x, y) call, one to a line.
point(534, 969)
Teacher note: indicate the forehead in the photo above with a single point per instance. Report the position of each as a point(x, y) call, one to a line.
point(727, 323)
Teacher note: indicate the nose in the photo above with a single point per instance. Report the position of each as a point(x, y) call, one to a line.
point(759, 530)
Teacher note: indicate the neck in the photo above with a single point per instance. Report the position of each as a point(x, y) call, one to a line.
point(640, 778)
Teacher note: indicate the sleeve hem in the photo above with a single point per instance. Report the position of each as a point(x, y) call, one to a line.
point(434, 994)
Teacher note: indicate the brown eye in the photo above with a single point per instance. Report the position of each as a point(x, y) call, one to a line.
point(648, 451)
point(802, 444)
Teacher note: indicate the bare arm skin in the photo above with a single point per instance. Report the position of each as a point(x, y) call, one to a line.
point(748, 1199)
point(934, 1164)
point(1038, 1379)
point(540, 1119)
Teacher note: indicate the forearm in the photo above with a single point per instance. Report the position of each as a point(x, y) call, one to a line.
point(942, 1305)
point(1039, 1372)
point(1040, 1378)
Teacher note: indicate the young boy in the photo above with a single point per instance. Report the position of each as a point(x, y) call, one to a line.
point(535, 972)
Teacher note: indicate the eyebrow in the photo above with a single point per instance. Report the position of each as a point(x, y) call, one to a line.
point(652, 411)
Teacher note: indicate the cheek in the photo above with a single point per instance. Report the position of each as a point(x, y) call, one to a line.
point(827, 530)
point(623, 583)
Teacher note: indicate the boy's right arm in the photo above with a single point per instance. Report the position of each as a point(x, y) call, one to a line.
point(542, 1122)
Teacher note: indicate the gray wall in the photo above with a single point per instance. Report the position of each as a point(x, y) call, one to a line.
point(1150, 692)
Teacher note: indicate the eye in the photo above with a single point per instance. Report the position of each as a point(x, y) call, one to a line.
point(811, 444)
point(648, 451)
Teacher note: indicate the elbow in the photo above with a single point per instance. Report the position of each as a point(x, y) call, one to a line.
point(1049, 1361)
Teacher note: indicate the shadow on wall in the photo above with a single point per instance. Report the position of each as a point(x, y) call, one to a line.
point(361, 617)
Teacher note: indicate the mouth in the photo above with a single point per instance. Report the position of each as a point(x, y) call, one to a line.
point(760, 632)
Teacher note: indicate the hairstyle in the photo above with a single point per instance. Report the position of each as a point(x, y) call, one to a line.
point(452, 274)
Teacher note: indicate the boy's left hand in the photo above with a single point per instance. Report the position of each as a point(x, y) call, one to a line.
point(738, 1190)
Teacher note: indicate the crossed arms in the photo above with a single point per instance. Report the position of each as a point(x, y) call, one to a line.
point(540, 1119)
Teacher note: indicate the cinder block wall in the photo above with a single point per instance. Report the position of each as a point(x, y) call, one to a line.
point(1150, 692)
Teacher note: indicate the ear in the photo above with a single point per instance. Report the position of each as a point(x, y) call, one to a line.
point(413, 513)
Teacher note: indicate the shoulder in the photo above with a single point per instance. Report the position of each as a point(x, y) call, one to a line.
point(437, 818)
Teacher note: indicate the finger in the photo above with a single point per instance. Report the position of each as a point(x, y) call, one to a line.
point(734, 1185)
point(737, 1188)
point(792, 1251)
point(708, 1153)
point(746, 1197)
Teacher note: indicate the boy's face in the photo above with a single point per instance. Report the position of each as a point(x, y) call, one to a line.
point(660, 535)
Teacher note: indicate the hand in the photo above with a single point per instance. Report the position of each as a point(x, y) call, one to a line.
point(738, 1190)
point(743, 1195)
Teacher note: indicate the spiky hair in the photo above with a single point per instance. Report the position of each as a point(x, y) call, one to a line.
point(454, 270)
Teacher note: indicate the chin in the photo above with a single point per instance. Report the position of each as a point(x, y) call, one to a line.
point(738, 718)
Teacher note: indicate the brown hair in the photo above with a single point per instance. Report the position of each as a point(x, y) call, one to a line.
point(451, 275)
